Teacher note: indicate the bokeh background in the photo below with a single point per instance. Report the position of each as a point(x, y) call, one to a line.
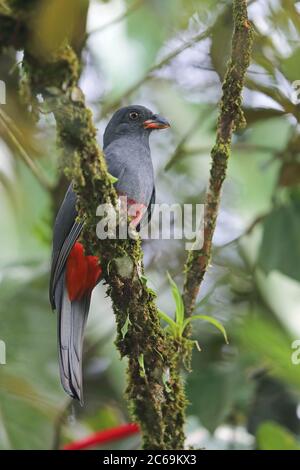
point(244, 395)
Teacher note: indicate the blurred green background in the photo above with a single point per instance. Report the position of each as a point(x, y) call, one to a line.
point(244, 395)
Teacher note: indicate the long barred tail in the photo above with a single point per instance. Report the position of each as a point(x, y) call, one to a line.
point(72, 318)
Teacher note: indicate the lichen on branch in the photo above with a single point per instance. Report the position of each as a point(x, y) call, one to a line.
point(230, 118)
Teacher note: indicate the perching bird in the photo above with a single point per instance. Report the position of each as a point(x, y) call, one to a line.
point(73, 274)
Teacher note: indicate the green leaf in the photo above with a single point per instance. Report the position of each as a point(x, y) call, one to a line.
point(151, 33)
point(290, 66)
point(221, 386)
point(269, 344)
point(30, 394)
point(142, 365)
point(272, 436)
point(280, 247)
point(178, 301)
point(125, 327)
point(170, 321)
point(112, 178)
point(221, 34)
point(105, 417)
point(209, 319)
point(152, 292)
point(144, 279)
point(254, 115)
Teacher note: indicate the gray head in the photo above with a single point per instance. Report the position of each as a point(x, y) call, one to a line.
point(133, 120)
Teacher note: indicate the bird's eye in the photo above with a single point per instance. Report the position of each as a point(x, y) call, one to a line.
point(134, 115)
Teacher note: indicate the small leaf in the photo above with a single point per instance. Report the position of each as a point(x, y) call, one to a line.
point(144, 279)
point(280, 248)
point(151, 291)
point(77, 95)
point(125, 327)
point(142, 366)
point(289, 66)
point(209, 319)
point(253, 115)
point(112, 178)
point(52, 90)
point(178, 301)
point(272, 436)
point(173, 326)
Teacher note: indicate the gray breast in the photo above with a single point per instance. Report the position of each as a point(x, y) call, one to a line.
point(129, 160)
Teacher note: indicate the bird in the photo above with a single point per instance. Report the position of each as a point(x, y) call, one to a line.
point(74, 274)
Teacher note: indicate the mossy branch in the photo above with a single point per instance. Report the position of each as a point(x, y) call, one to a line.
point(230, 118)
point(155, 387)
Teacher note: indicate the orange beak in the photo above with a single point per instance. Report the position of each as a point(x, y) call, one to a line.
point(157, 122)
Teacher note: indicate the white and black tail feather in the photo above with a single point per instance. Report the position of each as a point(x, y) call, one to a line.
point(72, 318)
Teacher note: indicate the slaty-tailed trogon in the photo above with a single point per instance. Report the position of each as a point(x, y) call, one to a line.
point(74, 275)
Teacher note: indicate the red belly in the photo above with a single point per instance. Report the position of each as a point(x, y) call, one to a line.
point(82, 272)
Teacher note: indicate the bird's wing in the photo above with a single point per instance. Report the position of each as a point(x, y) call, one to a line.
point(72, 316)
point(66, 232)
point(151, 204)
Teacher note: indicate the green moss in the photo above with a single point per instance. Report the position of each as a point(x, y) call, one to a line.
point(60, 71)
point(159, 409)
point(230, 118)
